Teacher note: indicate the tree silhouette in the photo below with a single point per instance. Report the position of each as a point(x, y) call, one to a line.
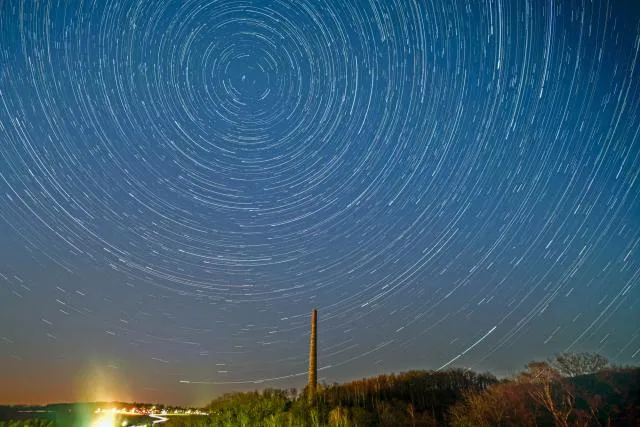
point(574, 364)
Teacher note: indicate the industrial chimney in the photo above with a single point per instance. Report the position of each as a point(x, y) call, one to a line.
point(313, 355)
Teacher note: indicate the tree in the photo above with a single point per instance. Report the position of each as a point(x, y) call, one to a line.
point(507, 403)
point(360, 417)
point(339, 417)
point(550, 391)
point(411, 410)
point(574, 364)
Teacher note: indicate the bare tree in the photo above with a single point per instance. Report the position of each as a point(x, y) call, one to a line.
point(574, 364)
point(550, 391)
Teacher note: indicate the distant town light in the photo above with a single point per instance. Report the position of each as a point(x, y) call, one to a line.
point(106, 420)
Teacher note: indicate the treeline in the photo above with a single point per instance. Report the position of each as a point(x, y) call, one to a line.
point(570, 390)
point(542, 396)
point(416, 397)
point(412, 398)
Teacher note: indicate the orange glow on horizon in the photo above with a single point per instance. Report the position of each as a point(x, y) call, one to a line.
point(100, 383)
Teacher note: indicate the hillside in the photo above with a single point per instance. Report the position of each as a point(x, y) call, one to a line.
point(545, 393)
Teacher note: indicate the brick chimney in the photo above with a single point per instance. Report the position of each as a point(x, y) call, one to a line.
point(313, 355)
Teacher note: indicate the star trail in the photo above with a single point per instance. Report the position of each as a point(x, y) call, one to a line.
point(450, 183)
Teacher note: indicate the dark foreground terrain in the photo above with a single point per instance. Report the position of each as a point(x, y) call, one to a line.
point(570, 390)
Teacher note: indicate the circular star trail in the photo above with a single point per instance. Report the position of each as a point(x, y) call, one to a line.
point(448, 182)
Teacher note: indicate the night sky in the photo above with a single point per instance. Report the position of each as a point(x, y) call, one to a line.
point(450, 183)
